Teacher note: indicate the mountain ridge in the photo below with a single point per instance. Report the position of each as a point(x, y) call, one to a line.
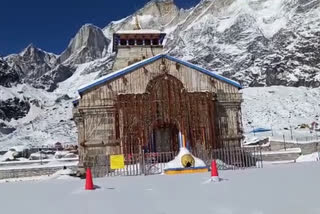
point(255, 42)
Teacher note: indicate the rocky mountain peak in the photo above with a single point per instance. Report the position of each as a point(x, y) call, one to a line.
point(33, 54)
point(156, 14)
point(87, 45)
point(31, 63)
point(28, 50)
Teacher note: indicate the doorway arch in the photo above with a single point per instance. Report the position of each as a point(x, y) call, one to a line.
point(164, 110)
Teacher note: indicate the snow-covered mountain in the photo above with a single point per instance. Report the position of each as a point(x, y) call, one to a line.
point(89, 44)
point(31, 63)
point(256, 42)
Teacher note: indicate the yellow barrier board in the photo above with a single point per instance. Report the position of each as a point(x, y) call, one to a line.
point(117, 161)
point(185, 171)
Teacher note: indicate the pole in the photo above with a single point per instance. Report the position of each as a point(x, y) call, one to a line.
point(284, 142)
point(143, 164)
point(40, 156)
point(291, 132)
point(261, 159)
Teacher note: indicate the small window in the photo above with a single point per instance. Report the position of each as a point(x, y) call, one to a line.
point(147, 42)
point(123, 42)
point(155, 42)
point(139, 42)
point(131, 42)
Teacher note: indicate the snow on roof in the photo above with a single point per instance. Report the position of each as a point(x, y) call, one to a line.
point(116, 74)
point(205, 71)
point(142, 31)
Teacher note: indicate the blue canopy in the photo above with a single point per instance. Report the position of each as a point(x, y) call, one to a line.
point(260, 130)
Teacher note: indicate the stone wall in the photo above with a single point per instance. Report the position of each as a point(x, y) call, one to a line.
point(274, 146)
point(129, 55)
point(306, 148)
point(280, 156)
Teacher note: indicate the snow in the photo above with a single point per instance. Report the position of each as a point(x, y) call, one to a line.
point(24, 161)
point(49, 123)
point(10, 155)
point(200, 16)
point(118, 22)
point(6, 93)
point(38, 156)
point(79, 78)
point(19, 148)
point(253, 140)
point(88, 83)
point(11, 180)
point(43, 164)
point(280, 108)
point(64, 154)
point(282, 151)
point(270, 16)
point(176, 162)
point(143, 20)
point(285, 189)
point(308, 158)
point(62, 174)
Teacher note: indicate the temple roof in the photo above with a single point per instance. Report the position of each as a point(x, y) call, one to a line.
point(124, 71)
point(141, 31)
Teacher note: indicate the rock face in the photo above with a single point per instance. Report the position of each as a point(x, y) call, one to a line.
point(50, 80)
point(8, 76)
point(154, 15)
point(89, 44)
point(45, 70)
point(32, 63)
point(4, 129)
point(258, 43)
point(13, 109)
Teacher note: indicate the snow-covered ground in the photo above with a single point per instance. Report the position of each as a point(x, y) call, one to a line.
point(281, 109)
point(281, 189)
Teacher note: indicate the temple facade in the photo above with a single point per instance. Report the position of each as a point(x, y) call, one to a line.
point(150, 99)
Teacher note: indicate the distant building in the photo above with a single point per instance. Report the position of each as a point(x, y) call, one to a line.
point(149, 98)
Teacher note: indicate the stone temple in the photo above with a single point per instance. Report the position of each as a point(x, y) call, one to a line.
point(149, 98)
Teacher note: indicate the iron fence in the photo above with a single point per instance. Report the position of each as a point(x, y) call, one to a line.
point(155, 163)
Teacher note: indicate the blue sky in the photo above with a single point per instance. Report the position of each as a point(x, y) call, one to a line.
point(50, 24)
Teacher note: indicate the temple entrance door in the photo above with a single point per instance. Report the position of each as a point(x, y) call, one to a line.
point(165, 139)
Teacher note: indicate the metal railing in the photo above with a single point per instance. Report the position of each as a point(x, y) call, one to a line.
point(155, 163)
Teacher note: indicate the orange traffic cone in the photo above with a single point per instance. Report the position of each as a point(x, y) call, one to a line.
point(214, 171)
point(89, 182)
